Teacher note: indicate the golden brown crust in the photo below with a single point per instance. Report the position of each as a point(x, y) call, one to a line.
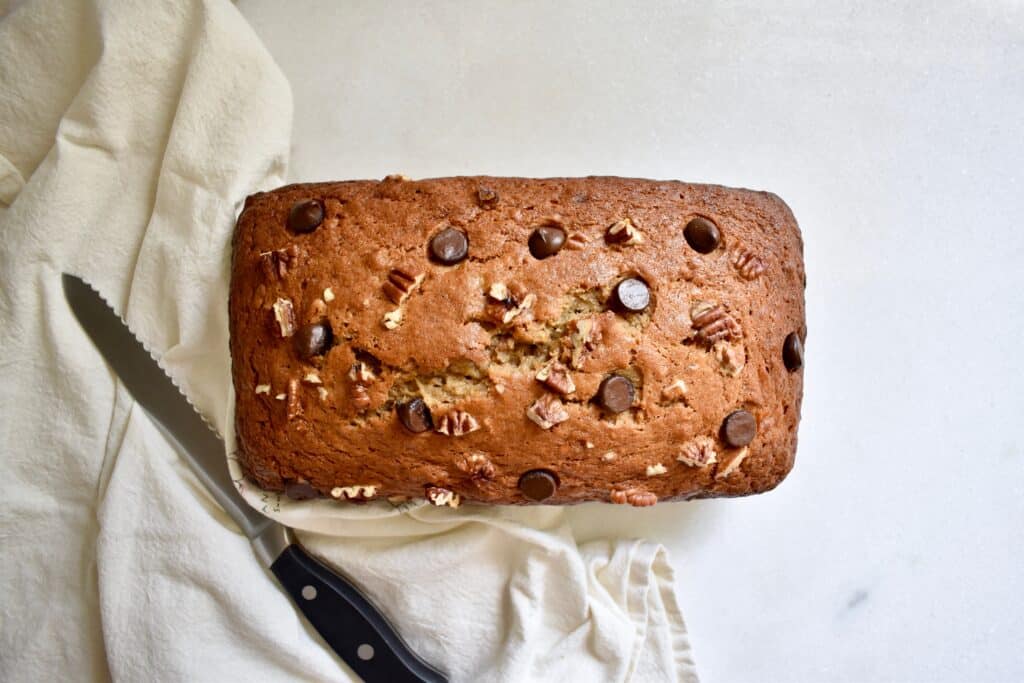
point(473, 351)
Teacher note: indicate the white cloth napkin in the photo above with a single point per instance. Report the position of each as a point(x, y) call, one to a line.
point(129, 134)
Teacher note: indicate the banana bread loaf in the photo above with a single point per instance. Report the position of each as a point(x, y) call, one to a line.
point(511, 340)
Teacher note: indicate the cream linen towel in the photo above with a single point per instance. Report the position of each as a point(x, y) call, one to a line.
point(129, 134)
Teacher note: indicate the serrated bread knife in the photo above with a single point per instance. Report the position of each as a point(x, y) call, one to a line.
point(346, 620)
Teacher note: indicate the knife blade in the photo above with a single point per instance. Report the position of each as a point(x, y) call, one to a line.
point(344, 618)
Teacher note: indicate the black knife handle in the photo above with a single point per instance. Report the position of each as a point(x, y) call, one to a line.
point(348, 622)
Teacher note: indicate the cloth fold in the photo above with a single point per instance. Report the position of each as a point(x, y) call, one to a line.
point(130, 133)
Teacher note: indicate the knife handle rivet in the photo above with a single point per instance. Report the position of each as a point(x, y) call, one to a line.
point(309, 593)
point(365, 652)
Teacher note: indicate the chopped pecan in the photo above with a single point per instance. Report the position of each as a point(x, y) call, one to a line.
point(392, 319)
point(499, 291)
point(262, 388)
point(699, 452)
point(312, 378)
point(477, 466)
point(487, 197)
point(400, 284)
point(556, 377)
point(675, 391)
point(284, 314)
point(609, 456)
point(361, 373)
point(576, 241)
point(733, 464)
point(584, 336)
point(440, 496)
point(457, 423)
point(275, 263)
point(294, 404)
point(547, 411)
point(357, 492)
point(656, 469)
point(328, 295)
point(749, 264)
point(503, 305)
point(713, 323)
point(623, 232)
point(360, 397)
point(635, 497)
point(731, 358)
point(514, 312)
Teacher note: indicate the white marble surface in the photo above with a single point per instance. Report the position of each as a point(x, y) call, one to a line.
point(894, 550)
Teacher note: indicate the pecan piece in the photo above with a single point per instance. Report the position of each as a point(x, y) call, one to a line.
point(499, 292)
point(275, 263)
point(284, 315)
point(699, 452)
point(713, 323)
point(487, 197)
point(556, 377)
point(441, 496)
point(584, 336)
point(635, 497)
point(675, 391)
point(576, 241)
point(360, 373)
point(514, 312)
point(547, 411)
point(623, 232)
point(731, 358)
point(748, 264)
point(360, 397)
point(733, 464)
point(656, 469)
point(358, 492)
point(400, 284)
point(392, 319)
point(477, 466)
point(294, 404)
point(457, 423)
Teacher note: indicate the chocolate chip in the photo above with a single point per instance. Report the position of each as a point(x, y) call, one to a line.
point(538, 485)
point(616, 393)
point(631, 296)
point(702, 235)
point(415, 416)
point(313, 340)
point(306, 216)
point(546, 241)
point(449, 246)
point(793, 352)
point(300, 490)
point(738, 428)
